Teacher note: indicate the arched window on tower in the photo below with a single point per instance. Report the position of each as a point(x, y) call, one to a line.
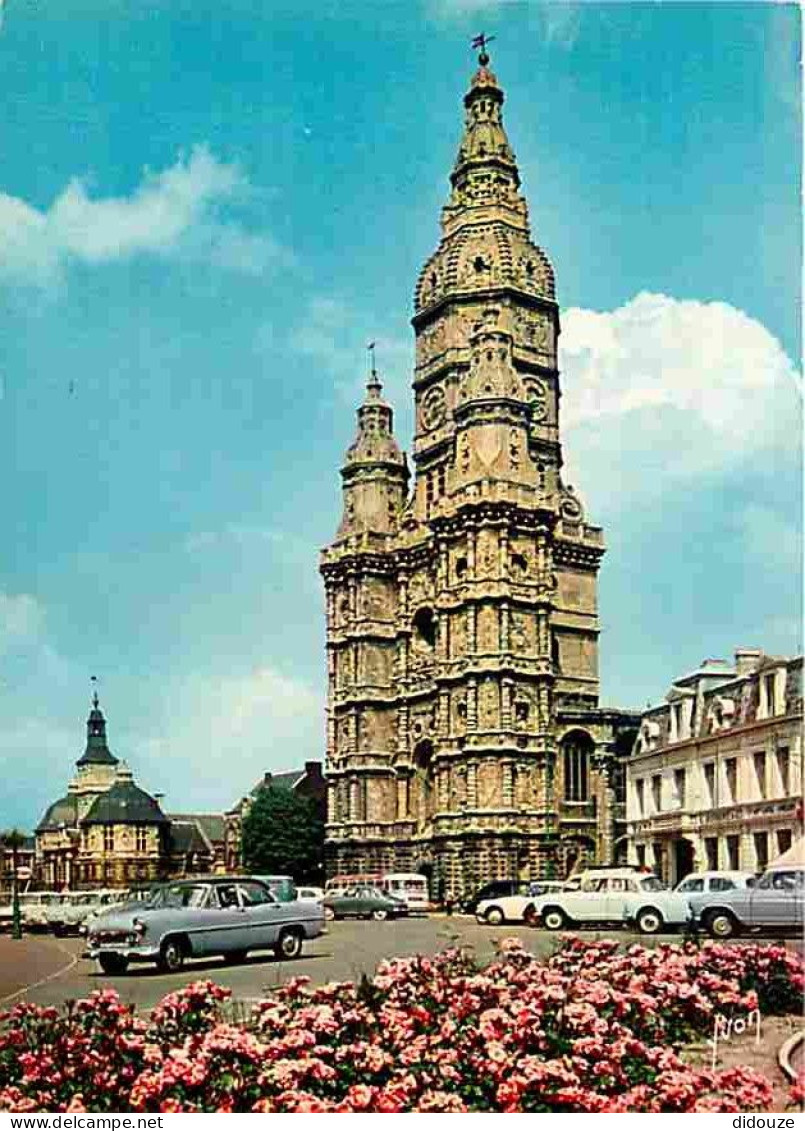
point(576, 750)
point(425, 627)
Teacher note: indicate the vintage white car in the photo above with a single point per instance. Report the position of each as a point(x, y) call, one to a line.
point(518, 908)
point(621, 896)
point(219, 915)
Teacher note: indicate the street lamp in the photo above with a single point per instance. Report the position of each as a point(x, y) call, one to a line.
point(14, 840)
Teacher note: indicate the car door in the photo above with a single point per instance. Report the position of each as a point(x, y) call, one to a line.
point(219, 923)
point(776, 900)
point(586, 904)
point(263, 915)
point(344, 902)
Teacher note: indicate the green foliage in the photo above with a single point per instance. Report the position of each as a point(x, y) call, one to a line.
point(283, 834)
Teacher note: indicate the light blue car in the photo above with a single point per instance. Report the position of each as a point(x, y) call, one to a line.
point(220, 915)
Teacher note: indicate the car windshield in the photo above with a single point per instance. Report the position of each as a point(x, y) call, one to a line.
point(651, 883)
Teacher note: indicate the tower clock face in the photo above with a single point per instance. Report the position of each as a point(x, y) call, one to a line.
point(538, 399)
point(434, 409)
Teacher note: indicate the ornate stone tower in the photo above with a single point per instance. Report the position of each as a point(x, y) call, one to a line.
point(464, 733)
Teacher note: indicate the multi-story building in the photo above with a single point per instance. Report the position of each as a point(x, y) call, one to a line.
point(464, 731)
point(108, 832)
point(105, 831)
point(716, 776)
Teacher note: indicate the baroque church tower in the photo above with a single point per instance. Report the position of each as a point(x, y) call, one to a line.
point(464, 736)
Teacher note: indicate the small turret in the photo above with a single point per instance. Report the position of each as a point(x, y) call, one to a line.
point(375, 472)
point(97, 752)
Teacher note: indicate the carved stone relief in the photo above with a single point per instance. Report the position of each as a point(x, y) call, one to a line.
point(488, 629)
point(434, 409)
point(458, 635)
point(488, 705)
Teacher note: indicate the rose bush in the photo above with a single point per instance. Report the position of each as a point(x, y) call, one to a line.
point(592, 1028)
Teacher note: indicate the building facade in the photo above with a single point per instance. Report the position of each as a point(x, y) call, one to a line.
point(716, 777)
point(106, 831)
point(465, 736)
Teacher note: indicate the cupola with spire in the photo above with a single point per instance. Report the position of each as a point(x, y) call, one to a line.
point(375, 472)
point(97, 751)
point(486, 241)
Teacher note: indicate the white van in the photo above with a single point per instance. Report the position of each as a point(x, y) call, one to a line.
point(410, 887)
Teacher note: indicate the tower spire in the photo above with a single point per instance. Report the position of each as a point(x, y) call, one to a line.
point(375, 473)
point(373, 386)
point(97, 750)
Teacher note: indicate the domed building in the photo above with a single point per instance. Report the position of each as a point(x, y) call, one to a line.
point(106, 831)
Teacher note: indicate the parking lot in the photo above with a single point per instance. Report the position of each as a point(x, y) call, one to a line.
point(48, 971)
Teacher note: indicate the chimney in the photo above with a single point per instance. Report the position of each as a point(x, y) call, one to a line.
point(747, 659)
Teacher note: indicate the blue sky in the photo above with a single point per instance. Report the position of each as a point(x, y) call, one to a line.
point(206, 210)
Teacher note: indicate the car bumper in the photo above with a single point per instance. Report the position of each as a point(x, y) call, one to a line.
point(134, 952)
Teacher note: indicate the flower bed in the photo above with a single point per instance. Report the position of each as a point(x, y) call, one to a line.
point(592, 1028)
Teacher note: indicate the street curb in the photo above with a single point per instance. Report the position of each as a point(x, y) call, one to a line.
point(784, 1055)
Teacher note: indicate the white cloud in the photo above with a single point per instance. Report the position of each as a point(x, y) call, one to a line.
point(21, 619)
point(175, 212)
point(228, 731)
point(669, 389)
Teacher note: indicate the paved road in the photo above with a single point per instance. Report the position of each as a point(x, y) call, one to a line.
point(50, 971)
point(348, 949)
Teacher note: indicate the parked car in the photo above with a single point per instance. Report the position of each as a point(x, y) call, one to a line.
point(363, 903)
point(495, 889)
point(776, 902)
point(281, 887)
point(114, 901)
point(518, 908)
point(219, 915)
point(66, 914)
point(614, 895)
point(698, 882)
point(34, 908)
point(310, 893)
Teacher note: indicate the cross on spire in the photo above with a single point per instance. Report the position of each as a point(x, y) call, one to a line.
point(482, 41)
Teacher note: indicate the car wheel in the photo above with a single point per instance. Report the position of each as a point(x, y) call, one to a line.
point(554, 918)
point(113, 963)
point(289, 944)
point(379, 914)
point(649, 921)
point(721, 925)
point(494, 917)
point(530, 917)
point(171, 956)
point(329, 914)
point(236, 956)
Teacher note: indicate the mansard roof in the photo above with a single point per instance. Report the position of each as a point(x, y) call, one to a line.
point(59, 813)
point(125, 804)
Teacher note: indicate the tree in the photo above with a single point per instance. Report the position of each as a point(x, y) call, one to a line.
point(14, 840)
point(283, 834)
